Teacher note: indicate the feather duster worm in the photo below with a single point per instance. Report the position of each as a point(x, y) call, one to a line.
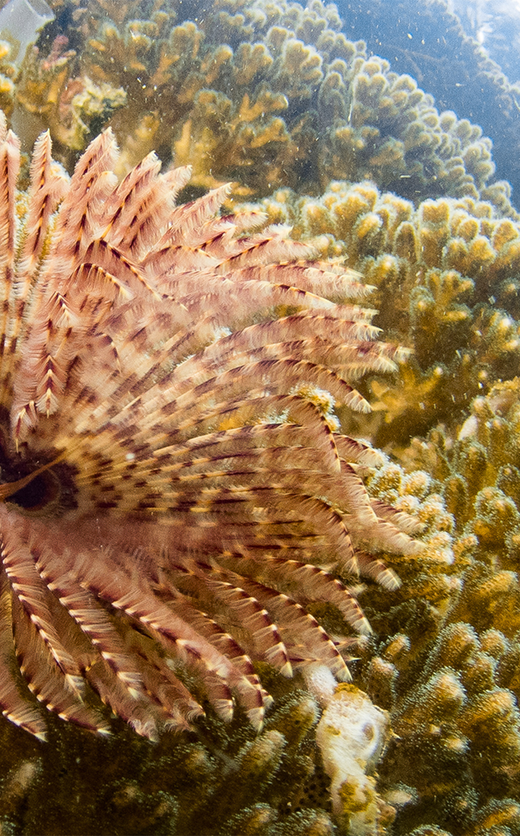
point(174, 489)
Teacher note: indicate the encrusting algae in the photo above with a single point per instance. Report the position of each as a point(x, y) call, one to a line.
point(252, 495)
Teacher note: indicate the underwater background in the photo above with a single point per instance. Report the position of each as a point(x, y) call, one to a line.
point(392, 129)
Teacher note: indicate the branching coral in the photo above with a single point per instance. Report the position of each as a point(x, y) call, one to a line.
point(73, 109)
point(427, 41)
point(265, 95)
point(185, 785)
point(446, 275)
point(445, 662)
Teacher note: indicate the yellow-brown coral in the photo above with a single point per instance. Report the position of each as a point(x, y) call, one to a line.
point(265, 95)
point(446, 279)
point(447, 659)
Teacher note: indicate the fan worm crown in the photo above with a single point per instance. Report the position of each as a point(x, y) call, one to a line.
point(177, 493)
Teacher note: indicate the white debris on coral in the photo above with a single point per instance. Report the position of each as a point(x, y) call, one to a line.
point(351, 736)
point(320, 681)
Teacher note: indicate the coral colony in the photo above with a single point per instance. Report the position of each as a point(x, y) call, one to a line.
point(434, 268)
point(201, 543)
